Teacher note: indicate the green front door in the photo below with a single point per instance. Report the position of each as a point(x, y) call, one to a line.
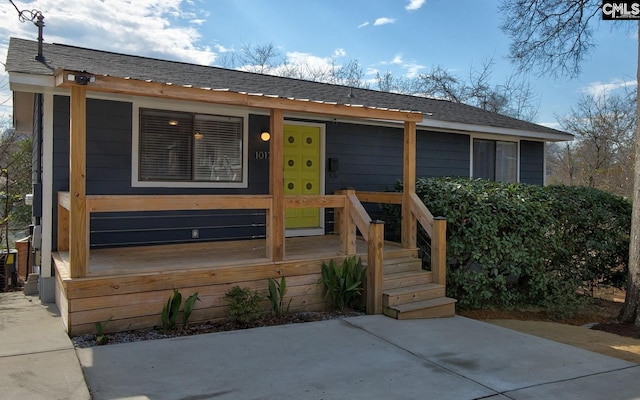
point(302, 173)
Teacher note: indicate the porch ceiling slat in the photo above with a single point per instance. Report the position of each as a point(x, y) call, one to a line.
point(112, 84)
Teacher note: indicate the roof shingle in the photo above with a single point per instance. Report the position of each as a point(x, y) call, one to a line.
point(21, 59)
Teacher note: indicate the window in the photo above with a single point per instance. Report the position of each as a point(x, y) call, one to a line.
point(494, 160)
point(186, 147)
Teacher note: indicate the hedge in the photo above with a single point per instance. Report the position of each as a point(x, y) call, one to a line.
point(510, 245)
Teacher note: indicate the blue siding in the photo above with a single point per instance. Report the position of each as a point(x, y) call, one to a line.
point(109, 172)
point(370, 158)
point(532, 162)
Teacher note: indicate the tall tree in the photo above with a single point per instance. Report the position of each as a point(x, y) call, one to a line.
point(602, 155)
point(554, 36)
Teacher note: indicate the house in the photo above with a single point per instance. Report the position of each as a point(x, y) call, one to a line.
point(151, 175)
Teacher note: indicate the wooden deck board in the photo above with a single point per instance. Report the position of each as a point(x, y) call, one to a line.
point(135, 260)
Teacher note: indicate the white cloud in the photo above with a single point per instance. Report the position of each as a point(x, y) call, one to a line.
point(412, 69)
point(339, 53)
point(164, 29)
point(599, 89)
point(143, 27)
point(397, 59)
point(384, 21)
point(552, 125)
point(414, 5)
point(363, 24)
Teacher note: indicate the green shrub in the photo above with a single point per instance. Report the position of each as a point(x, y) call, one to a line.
point(343, 285)
point(514, 244)
point(101, 338)
point(188, 308)
point(170, 311)
point(243, 305)
point(277, 291)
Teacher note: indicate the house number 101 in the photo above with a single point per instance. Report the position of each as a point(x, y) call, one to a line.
point(262, 155)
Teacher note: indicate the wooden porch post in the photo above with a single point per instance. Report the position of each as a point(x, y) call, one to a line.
point(439, 251)
point(78, 232)
point(375, 261)
point(346, 225)
point(409, 224)
point(275, 216)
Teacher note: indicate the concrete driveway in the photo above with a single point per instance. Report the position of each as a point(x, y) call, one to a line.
point(368, 357)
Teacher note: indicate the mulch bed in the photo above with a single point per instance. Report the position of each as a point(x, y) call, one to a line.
point(628, 330)
point(137, 335)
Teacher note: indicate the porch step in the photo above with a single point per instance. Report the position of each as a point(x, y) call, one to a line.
point(403, 264)
point(408, 292)
point(411, 294)
point(404, 279)
point(433, 308)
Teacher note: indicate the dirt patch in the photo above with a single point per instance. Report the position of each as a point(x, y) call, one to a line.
point(593, 328)
point(597, 311)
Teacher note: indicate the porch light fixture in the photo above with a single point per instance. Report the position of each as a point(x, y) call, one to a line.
point(265, 136)
point(173, 122)
point(198, 135)
point(81, 79)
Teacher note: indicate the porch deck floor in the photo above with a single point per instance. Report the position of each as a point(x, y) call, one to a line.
point(147, 259)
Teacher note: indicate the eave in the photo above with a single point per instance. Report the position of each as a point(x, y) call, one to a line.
point(127, 86)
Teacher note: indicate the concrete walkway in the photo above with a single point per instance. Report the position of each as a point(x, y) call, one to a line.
point(369, 357)
point(37, 358)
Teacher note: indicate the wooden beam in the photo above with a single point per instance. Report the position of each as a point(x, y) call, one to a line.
point(275, 216)
point(359, 215)
point(63, 228)
point(374, 273)
point(380, 197)
point(439, 251)
point(117, 203)
point(422, 214)
point(78, 232)
point(409, 225)
point(110, 84)
point(316, 201)
point(345, 224)
point(63, 200)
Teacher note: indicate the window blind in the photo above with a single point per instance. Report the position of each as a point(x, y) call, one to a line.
point(176, 146)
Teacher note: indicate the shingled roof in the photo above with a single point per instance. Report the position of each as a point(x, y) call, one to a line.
point(437, 113)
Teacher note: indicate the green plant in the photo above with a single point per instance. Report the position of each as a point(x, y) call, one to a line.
point(100, 336)
point(170, 311)
point(510, 245)
point(188, 308)
point(243, 305)
point(343, 285)
point(277, 291)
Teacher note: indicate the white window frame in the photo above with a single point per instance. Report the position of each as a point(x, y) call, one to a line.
point(194, 108)
point(495, 139)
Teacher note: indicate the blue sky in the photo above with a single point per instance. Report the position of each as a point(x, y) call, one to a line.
point(406, 37)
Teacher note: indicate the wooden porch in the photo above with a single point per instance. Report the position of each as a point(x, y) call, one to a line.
point(130, 285)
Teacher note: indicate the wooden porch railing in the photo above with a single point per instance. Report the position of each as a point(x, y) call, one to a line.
point(350, 217)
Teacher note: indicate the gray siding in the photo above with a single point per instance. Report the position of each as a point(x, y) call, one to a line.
point(532, 162)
